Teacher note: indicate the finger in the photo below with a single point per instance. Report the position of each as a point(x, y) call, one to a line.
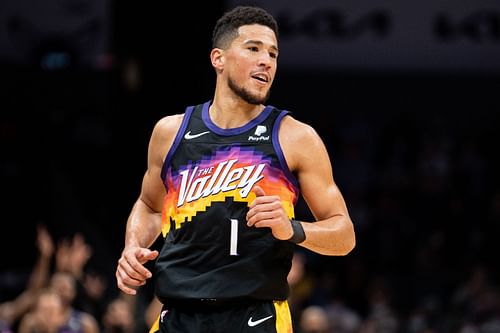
point(274, 200)
point(268, 217)
point(259, 192)
point(126, 281)
point(129, 279)
point(130, 282)
point(147, 255)
point(265, 223)
point(133, 262)
point(129, 273)
point(120, 276)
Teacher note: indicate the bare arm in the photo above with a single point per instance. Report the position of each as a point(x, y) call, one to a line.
point(332, 233)
point(152, 311)
point(41, 271)
point(13, 310)
point(144, 221)
point(27, 323)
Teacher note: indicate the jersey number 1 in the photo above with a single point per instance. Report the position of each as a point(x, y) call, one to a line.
point(233, 246)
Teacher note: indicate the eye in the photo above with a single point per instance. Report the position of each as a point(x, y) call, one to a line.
point(273, 55)
point(254, 48)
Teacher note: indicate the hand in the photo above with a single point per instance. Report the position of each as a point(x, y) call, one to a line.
point(44, 241)
point(267, 211)
point(72, 255)
point(131, 272)
point(80, 253)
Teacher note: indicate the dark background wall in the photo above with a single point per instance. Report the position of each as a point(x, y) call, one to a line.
point(414, 150)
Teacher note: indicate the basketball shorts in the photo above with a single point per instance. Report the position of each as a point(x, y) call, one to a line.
point(207, 316)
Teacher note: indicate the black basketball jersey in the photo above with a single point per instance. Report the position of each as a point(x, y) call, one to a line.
point(209, 173)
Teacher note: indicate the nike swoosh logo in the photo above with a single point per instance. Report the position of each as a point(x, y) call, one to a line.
point(190, 136)
point(252, 323)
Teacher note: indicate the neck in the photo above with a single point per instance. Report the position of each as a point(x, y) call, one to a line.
point(233, 112)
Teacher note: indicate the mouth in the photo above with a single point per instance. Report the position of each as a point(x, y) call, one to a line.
point(262, 77)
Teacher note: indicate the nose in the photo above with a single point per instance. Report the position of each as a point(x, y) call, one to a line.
point(266, 60)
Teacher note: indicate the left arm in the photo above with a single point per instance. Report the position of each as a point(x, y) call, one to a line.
point(333, 232)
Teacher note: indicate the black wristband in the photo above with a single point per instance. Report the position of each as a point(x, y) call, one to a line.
point(298, 232)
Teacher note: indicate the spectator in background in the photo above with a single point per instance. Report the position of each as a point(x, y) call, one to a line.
point(301, 285)
point(314, 319)
point(152, 311)
point(118, 317)
point(72, 255)
point(83, 289)
point(381, 317)
point(64, 284)
point(48, 316)
point(12, 311)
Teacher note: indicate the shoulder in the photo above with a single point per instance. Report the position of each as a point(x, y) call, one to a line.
point(166, 128)
point(168, 124)
point(300, 142)
point(297, 131)
point(163, 136)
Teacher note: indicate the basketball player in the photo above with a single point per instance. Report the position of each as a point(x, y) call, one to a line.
point(221, 184)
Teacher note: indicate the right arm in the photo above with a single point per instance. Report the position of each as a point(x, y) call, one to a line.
point(144, 221)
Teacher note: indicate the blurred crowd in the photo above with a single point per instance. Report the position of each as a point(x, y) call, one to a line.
point(63, 296)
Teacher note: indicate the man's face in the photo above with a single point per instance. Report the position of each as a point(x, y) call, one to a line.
point(250, 63)
point(49, 311)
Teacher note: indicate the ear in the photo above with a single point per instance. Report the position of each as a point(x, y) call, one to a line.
point(217, 59)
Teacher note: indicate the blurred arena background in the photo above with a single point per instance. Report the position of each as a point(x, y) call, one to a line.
point(405, 95)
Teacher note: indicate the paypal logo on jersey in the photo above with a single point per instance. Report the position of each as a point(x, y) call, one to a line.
point(261, 129)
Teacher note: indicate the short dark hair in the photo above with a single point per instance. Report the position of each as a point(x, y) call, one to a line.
point(226, 28)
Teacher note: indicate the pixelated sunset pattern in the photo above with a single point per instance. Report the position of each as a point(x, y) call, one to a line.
point(274, 182)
